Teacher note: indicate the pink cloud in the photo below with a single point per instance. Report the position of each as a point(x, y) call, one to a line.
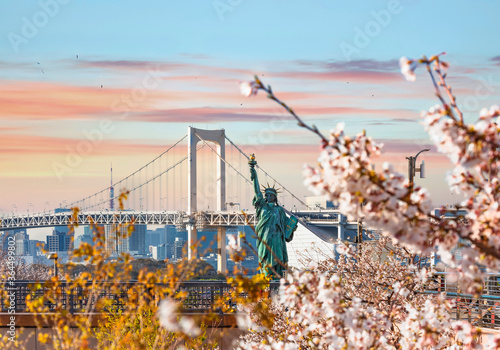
point(344, 76)
point(20, 144)
point(130, 65)
point(362, 71)
point(245, 114)
point(51, 101)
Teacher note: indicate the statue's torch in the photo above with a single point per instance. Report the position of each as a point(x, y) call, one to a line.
point(252, 161)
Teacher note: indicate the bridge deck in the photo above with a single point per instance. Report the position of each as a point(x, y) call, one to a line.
point(178, 218)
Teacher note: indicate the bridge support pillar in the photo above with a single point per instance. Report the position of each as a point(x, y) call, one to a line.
point(221, 250)
point(340, 227)
point(218, 137)
point(192, 247)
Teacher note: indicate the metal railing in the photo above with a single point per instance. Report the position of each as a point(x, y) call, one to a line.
point(200, 295)
point(481, 310)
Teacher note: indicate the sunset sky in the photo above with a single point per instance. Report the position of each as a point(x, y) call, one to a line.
point(331, 60)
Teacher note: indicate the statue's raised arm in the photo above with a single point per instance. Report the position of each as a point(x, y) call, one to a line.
point(253, 176)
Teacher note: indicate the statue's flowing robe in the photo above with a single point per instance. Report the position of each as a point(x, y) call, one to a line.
point(271, 230)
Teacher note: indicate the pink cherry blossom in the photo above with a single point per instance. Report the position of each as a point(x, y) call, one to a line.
point(232, 246)
point(248, 88)
point(169, 319)
point(407, 68)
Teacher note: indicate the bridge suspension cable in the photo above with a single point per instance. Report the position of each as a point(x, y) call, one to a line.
point(105, 190)
point(218, 155)
point(147, 181)
point(265, 172)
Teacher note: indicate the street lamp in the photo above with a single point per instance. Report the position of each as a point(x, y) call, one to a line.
point(412, 169)
point(53, 256)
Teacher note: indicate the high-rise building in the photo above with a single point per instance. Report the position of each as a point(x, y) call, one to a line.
point(22, 244)
point(66, 243)
point(116, 239)
point(52, 243)
point(5, 239)
point(60, 240)
point(155, 237)
point(178, 247)
point(137, 239)
point(78, 240)
point(170, 234)
point(65, 235)
point(123, 242)
point(158, 252)
point(88, 234)
point(111, 192)
point(35, 247)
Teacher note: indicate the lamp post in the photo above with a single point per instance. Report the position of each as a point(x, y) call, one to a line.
point(53, 256)
point(360, 231)
point(412, 169)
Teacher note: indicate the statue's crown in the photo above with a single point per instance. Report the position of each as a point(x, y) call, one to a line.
point(270, 189)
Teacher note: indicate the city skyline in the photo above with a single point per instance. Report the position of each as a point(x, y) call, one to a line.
point(165, 242)
point(64, 82)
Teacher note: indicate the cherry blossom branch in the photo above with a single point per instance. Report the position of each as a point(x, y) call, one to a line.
point(437, 90)
point(488, 250)
point(447, 88)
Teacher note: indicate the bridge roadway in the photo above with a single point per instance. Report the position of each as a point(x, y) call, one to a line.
point(178, 218)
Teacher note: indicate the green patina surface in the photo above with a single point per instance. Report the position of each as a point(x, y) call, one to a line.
point(273, 229)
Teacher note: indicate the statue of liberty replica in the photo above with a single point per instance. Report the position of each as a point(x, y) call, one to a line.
point(273, 229)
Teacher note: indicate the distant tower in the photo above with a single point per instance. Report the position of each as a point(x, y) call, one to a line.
point(111, 192)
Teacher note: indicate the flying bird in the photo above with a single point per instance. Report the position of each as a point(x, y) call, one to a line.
point(76, 56)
